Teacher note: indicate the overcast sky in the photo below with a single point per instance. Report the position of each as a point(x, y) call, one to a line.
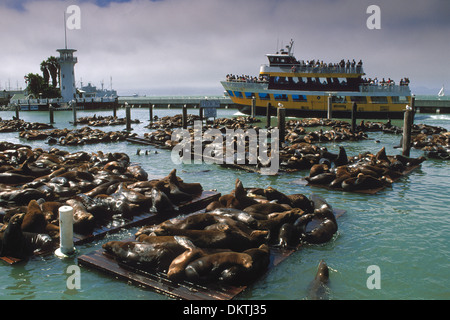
point(176, 47)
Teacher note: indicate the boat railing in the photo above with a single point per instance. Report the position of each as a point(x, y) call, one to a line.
point(392, 88)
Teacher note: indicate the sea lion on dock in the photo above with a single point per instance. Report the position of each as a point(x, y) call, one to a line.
point(342, 158)
point(210, 266)
point(19, 244)
point(327, 227)
point(149, 256)
point(190, 188)
point(83, 221)
point(318, 289)
point(267, 208)
point(241, 195)
point(34, 219)
point(239, 275)
point(288, 236)
point(161, 202)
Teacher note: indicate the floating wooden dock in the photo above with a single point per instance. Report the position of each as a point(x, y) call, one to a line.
point(114, 226)
point(185, 290)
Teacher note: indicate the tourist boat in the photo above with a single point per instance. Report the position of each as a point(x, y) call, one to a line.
point(304, 89)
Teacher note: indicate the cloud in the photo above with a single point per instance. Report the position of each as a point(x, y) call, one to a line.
point(188, 46)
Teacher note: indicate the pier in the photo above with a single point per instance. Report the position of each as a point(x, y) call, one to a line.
point(174, 101)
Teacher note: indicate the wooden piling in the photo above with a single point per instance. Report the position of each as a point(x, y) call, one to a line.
point(253, 110)
point(269, 106)
point(17, 112)
point(281, 117)
point(184, 116)
point(150, 112)
point(115, 110)
point(74, 112)
point(354, 112)
point(407, 125)
point(200, 113)
point(50, 110)
point(330, 108)
point(128, 116)
point(413, 108)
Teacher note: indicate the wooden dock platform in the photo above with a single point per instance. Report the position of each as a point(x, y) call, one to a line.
point(185, 290)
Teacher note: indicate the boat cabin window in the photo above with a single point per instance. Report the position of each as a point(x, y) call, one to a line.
point(379, 99)
point(280, 97)
point(230, 93)
point(359, 99)
point(338, 99)
point(249, 95)
point(401, 99)
point(298, 97)
point(238, 94)
point(264, 96)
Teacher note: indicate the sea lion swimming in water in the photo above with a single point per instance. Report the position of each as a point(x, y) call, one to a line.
point(318, 289)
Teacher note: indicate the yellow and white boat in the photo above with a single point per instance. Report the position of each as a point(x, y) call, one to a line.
point(304, 88)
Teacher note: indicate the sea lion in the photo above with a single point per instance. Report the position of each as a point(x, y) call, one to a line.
point(318, 289)
point(210, 266)
point(83, 221)
point(342, 158)
point(18, 244)
point(190, 188)
point(34, 219)
point(237, 215)
point(238, 275)
point(176, 270)
point(241, 195)
point(267, 208)
point(161, 202)
point(273, 194)
point(299, 200)
point(327, 223)
point(228, 237)
point(149, 256)
point(288, 236)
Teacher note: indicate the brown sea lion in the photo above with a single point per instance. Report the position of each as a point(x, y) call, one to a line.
point(18, 244)
point(267, 208)
point(238, 275)
point(34, 219)
point(83, 221)
point(301, 201)
point(241, 195)
point(210, 266)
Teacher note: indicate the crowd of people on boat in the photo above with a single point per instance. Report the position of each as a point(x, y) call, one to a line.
point(323, 67)
point(383, 82)
point(249, 79)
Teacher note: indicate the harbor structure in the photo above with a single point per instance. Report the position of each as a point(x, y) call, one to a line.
point(67, 74)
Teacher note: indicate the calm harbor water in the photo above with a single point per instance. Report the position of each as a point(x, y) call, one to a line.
point(404, 230)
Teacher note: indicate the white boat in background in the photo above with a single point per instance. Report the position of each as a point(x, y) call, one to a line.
point(441, 92)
